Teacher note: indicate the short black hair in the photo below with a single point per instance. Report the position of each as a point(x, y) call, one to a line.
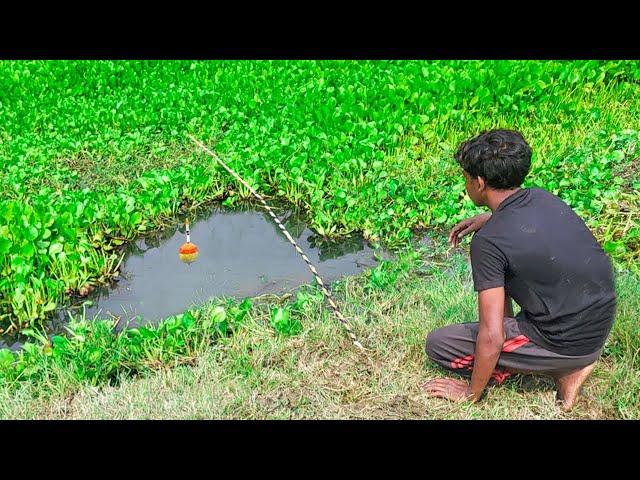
point(501, 157)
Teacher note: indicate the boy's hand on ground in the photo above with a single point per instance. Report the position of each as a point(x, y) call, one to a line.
point(449, 388)
point(467, 226)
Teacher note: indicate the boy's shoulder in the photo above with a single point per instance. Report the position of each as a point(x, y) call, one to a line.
point(486, 236)
point(541, 193)
point(501, 223)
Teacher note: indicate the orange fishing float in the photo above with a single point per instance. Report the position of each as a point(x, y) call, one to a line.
point(188, 251)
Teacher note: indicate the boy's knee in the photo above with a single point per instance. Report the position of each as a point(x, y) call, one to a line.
point(433, 342)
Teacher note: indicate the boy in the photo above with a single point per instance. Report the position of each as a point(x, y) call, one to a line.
point(535, 250)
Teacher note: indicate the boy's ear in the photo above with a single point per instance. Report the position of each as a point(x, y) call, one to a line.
point(481, 184)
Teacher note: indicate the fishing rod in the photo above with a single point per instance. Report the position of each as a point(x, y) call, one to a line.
point(323, 287)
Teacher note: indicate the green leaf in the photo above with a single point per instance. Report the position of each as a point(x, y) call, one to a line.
point(6, 358)
point(136, 218)
point(17, 262)
point(188, 319)
point(219, 314)
point(28, 251)
point(617, 156)
point(49, 307)
point(283, 323)
point(55, 248)
point(614, 247)
point(5, 245)
point(31, 233)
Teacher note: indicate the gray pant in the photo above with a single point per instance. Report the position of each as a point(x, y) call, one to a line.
point(453, 348)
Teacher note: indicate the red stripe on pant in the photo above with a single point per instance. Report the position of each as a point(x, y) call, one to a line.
point(498, 375)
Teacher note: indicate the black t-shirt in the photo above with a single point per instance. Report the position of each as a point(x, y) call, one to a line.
point(549, 262)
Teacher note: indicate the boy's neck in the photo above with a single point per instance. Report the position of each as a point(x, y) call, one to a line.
point(496, 197)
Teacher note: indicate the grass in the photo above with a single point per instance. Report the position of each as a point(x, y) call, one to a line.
point(259, 374)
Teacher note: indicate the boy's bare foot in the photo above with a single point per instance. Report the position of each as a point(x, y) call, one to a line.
point(569, 384)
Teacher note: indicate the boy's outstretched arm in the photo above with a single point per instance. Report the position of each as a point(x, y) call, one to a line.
point(491, 305)
point(491, 336)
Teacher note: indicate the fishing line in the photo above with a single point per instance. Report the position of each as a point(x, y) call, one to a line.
point(323, 287)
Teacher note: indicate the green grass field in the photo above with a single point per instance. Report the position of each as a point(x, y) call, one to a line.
point(258, 373)
point(94, 153)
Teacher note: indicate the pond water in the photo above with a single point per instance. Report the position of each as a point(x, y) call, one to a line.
point(242, 253)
